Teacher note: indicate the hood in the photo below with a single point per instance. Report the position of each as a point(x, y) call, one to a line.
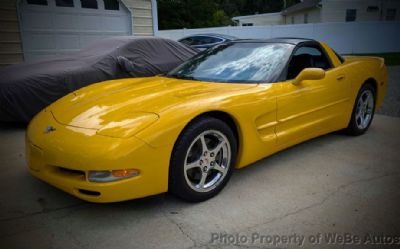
point(117, 101)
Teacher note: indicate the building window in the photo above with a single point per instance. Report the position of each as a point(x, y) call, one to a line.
point(111, 5)
point(37, 2)
point(292, 19)
point(372, 9)
point(351, 15)
point(65, 3)
point(247, 24)
point(89, 4)
point(306, 18)
point(390, 14)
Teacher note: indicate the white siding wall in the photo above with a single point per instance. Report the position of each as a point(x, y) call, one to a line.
point(314, 16)
point(344, 37)
point(10, 39)
point(142, 18)
point(258, 20)
point(335, 10)
point(392, 4)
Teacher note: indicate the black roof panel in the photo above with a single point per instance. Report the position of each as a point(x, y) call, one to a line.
point(229, 37)
point(289, 40)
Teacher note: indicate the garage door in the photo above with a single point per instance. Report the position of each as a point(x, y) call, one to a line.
point(57, 27)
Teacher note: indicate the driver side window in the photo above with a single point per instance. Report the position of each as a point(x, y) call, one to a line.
point(306, 57)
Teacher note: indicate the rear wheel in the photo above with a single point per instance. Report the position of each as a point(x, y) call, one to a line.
point(363, 111)
point(202, 159)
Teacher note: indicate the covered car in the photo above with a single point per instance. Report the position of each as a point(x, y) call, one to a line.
point(27, 88)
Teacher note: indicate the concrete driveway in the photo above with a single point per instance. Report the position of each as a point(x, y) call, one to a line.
point(332, 185)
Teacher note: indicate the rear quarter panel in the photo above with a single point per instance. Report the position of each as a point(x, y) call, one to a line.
point(362, 69)
point(359, 69)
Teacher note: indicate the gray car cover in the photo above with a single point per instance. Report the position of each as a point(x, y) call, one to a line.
point(27, 88)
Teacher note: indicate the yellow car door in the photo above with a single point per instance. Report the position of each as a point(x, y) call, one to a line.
point(311, 107)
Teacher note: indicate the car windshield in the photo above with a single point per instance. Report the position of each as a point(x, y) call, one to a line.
point(237, 62)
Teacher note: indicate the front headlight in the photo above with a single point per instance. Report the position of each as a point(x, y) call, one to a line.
point(111, 175)
point(129, 124)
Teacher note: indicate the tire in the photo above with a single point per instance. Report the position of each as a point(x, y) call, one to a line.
point(197, 174)
point(363, 111)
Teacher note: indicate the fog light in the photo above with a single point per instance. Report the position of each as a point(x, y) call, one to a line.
point(111, 175)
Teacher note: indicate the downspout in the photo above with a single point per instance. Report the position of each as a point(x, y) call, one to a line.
point(131, 11)
point(154, 12)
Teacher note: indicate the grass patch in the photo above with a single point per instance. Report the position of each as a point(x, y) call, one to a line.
point(391, 59)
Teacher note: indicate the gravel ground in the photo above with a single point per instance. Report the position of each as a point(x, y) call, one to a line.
point(391, 104)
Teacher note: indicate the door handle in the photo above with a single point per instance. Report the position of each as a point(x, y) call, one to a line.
point(341, 77)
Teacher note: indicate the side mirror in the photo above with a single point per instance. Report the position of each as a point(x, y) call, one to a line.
point(309, 74)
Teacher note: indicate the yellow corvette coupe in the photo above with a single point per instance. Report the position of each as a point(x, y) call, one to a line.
point(185, 131)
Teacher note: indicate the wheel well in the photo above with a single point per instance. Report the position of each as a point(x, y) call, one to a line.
point(373, 83)
point(226, 118)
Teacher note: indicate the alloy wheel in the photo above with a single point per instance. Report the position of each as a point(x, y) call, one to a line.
point(364, 110)
point(207, 161)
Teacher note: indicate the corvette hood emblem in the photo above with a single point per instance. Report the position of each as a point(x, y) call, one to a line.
point(49, 129)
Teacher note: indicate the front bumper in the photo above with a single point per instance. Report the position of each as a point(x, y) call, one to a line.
point(63, 158)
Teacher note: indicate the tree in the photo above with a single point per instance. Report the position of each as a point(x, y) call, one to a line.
point(177, 14)
point(220, 18)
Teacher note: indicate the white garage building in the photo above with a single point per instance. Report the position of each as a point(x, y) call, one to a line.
point(35, 29)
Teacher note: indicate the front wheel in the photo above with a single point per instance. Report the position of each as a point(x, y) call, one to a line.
point(363, 111)
point(202, 159)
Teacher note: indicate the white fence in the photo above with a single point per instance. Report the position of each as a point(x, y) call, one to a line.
point(345, 38)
